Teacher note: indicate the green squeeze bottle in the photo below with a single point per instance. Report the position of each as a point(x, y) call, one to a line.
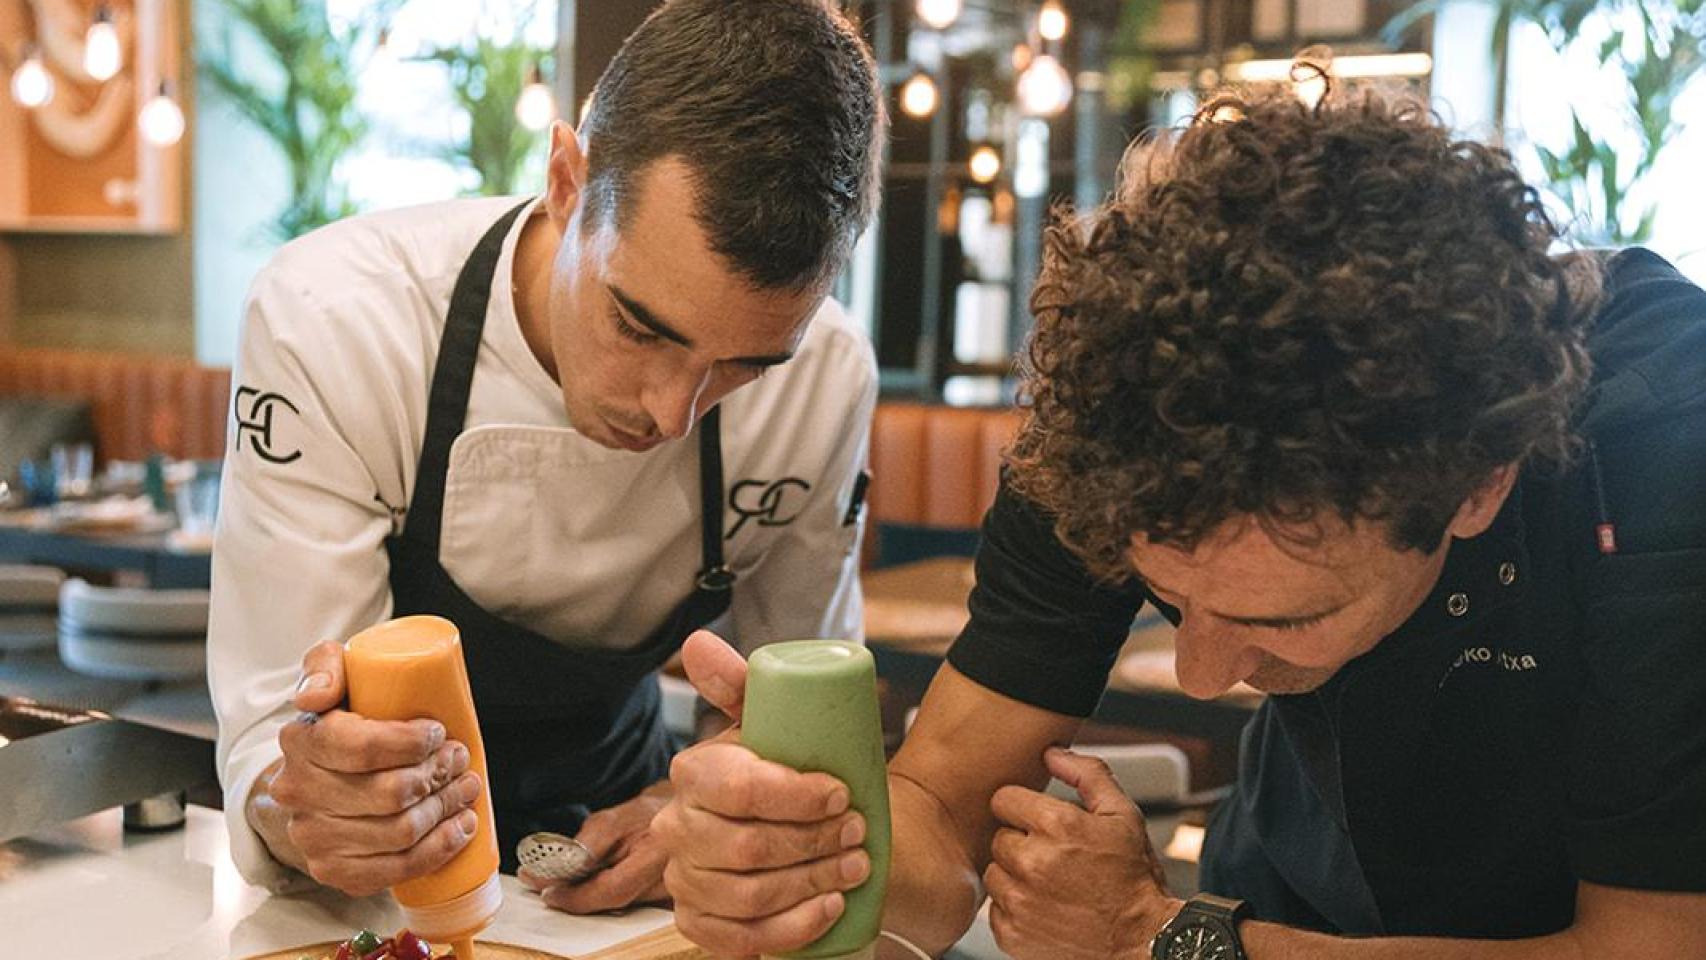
point(812, 705)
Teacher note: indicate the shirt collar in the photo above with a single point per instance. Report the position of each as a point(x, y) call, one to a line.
point(1482, 574)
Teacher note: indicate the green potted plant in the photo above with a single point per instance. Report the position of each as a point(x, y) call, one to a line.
point(307, 106)
point(1657, 47)
point(487, 79)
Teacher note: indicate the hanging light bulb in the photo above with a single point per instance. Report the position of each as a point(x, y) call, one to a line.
point(918, 96)
point(32, 85)
point(102, 57)
point(985, 164)
point(536, 108)
point(1051, 21)
point(939, 14)
point(1044, 88)
point(161, 121)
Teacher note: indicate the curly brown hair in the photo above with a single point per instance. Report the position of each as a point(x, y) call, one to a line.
point(1287, 309)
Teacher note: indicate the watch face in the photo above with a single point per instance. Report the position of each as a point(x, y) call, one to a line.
point(1199, 941)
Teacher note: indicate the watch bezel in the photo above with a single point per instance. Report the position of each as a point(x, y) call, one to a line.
point(1209, 912)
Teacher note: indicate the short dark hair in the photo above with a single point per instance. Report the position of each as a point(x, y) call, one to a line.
point(775, 109)
point(1289, 309)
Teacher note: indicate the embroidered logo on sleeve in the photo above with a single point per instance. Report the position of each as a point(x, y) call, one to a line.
point(774, 504)
point(255, 412)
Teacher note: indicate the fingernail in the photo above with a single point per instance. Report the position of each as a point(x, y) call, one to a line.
point(458, 759)
point(854, 867)
point(466, 822)
point(836, 803)
point(435, 734)
point(469, 788)
point(314, 681)
point(833, 904)
point(853, 832)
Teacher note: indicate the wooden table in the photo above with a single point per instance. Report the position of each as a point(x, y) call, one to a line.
point(913, 613)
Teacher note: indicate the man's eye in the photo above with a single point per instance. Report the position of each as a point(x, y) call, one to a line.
point(630, 332)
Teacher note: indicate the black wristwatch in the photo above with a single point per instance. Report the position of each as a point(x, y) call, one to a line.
point(1206, 929)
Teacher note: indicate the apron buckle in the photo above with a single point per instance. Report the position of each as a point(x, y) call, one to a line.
point(717, 578)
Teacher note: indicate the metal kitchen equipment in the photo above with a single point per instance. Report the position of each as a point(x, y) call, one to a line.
point(57, 764)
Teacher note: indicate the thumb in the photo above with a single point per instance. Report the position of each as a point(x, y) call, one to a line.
point(1089, 776)
point(716, 671)
point(601, 836)
point(322, 684)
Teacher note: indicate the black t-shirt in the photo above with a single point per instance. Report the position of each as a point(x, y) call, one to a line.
point(1460, 778)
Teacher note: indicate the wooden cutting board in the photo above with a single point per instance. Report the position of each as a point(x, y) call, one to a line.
point(665, 943)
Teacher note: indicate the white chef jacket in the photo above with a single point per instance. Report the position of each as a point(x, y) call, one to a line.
point(542, 526)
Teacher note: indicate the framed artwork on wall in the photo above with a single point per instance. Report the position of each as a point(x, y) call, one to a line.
point(91, 125)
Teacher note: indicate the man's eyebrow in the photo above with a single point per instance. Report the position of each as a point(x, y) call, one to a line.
point(1288, 621)
point(650, 321)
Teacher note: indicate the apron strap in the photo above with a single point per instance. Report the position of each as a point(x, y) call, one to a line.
point(452, 379)
point(713, 575)
point(447, 413)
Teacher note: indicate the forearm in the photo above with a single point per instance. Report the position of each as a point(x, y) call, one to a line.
point(1265, 941)
point(940, 784)
point(934, 890)
point(271, 822)
point(1612, 923)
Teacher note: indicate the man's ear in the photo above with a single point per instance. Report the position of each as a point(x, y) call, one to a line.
point(565, 175)
point(1483, 504)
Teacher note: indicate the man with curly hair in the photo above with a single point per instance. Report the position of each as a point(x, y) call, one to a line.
point(1314, 386)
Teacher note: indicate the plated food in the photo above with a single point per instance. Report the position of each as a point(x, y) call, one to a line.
point(367, 945)
point(664, 943)
point(405, 945)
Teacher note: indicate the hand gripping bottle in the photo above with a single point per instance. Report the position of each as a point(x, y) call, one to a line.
point(812, 705)
point(410, 668)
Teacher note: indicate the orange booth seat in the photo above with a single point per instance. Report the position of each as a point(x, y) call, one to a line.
point(139, 404)
point(934, 471)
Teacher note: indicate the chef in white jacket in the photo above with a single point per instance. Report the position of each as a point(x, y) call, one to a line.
point(580, 426)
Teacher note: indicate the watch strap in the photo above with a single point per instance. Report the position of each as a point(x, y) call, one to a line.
point(1225, 908)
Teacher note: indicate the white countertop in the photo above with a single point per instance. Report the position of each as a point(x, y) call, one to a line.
point(85, 890)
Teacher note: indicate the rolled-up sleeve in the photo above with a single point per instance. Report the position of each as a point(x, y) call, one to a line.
point(1042, 630)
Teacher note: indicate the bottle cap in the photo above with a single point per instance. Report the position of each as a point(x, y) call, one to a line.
point(461, 917)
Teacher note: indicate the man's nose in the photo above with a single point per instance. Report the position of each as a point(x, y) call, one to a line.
point(1208, 660)
point(673, 404)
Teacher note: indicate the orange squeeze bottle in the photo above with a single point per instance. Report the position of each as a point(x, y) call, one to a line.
point(409, 668)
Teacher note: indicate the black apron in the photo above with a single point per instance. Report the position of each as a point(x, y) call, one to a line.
point(567, 728)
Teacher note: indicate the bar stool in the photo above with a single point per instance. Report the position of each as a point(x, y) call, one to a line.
point(29, 607)
point(130, 634)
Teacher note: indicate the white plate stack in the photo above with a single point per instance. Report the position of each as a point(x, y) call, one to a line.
point(130, 634)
